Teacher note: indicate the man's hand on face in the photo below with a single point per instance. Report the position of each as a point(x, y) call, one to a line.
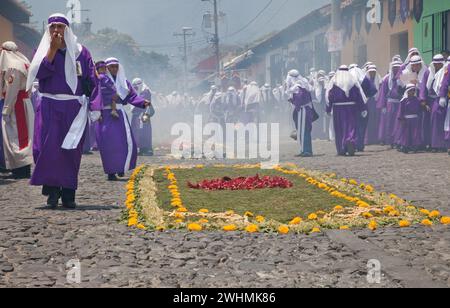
point(57, 41)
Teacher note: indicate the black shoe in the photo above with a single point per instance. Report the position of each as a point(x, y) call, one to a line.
point(69, 205)
point(121, 175)
point(53, 200)
point(351, 149)
point(112, 177)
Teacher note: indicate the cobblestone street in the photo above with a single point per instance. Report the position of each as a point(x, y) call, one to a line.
point(36, 244)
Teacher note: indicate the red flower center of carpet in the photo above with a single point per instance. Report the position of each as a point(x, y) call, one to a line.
point(243, 183)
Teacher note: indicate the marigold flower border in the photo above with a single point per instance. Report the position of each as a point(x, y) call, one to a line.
point(382, 209)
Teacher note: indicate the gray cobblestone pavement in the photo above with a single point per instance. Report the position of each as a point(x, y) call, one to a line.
point(36, 244)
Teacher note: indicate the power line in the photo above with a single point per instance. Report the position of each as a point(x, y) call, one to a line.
point(251, 21)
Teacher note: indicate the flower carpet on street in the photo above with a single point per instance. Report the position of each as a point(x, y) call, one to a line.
point(245, 198)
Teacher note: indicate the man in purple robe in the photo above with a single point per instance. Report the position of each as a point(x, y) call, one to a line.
point(371, 137)
point(442, 88)
point(430, 100)
point(115, 138)
point(346, 101)
point(66, 73)
point(370, 91)
point(141, 120)
point(391, 91)
point(303, 116)
point(410, 121)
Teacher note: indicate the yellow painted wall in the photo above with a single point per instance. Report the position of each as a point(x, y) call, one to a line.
point(380, 49)
point(6, 30)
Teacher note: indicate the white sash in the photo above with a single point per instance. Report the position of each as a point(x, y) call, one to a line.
point(76, 131)
point(447, 119)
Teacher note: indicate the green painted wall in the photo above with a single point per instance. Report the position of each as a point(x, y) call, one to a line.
point(428, 33)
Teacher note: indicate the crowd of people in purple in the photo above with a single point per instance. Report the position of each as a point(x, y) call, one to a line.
point(62, 105)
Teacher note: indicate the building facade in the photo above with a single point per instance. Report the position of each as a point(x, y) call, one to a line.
point(432, 29)
point(14, 25)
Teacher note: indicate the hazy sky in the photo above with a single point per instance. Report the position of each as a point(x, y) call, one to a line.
point(153, 22)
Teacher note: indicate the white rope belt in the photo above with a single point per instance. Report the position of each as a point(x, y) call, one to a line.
point(345, 104)
point(393, 101)
point(76, 131)
point(307, 105)
point(118, 107)
point(411, 116)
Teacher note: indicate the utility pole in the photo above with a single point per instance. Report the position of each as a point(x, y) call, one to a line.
point(216, 40)
point(186, 32)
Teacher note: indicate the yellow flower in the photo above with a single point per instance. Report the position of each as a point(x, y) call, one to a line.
point(260, 219)
point(427, 222)
point(179, 215)
point(435, 214)
point(195, 227)
point(363, 204)
point(353, 182)
point(367, 215)
point(203, 221)
point(203, 211)
point(141, 227)
point(160, 229)
point(252, 228)
point(394, 213)
point(410, 207)
point(179, 221)
point(320, 213)
point(404, 223)
point(249, 214)
point(388, 209)
point(182, 210)
point(229, 213)
point(373, 225)
point(316, 230)
point(338, 208)
point(230, 228)
point(445, 220)
point(425, 212)
point(296, 221)
point(132, 222)
point(392, 196)
point(312, 216)
point(344, 228)
point(370, 189)
point(283, 229)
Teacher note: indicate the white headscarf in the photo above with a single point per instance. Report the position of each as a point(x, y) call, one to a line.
point(345, 81)
point(391, 73)
point(357, 73)
point(408, 88)
point(373, 68)
point(252, 95)
point(140, 85)
point(121, 80)
point(437, 59)
point(409, 72)
point(73, 50)
point(439, 77)
point(11, 58)
point(410, 55)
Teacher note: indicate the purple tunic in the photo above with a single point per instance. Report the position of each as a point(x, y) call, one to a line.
point(56, 166)
point(410, 123)
point(389, 99)
point(142, 131)
point(303, 119)
point(370, 90)
point(346, 111)
point(433, 122)
point(444, 92)
point(115, 140)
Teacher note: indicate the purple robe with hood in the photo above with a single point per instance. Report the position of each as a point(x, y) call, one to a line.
point(115, 139)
